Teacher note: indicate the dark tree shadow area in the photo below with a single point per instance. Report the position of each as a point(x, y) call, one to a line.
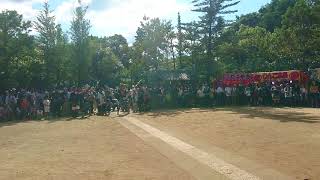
point(50, 120)
point(284, 115)
point(268, 113)
point(176, 112)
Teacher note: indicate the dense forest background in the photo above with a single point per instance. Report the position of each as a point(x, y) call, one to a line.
point(283, 35)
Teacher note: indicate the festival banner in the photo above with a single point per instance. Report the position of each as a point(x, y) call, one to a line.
point(249, 78)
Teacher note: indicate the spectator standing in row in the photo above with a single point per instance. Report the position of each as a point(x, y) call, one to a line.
point(248, 95)
point(314, 93)
point(46, 106)
point(220, 95)
point(228, 93)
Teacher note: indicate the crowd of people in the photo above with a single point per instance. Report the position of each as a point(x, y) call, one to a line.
point(280, 93)
point(39, 104)
point(74, 102)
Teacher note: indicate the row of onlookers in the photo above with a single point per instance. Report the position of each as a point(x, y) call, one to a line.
point(31, 104)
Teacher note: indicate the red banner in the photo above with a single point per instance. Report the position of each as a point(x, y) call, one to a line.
point(245, 79)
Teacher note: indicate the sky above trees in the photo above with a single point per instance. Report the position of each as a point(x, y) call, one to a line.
point(110, 17)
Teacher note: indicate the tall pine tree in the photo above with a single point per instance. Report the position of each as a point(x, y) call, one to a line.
point(46, 27)
point(212, 21)
point(80, 29)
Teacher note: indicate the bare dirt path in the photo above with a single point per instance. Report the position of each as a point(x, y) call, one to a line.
point(265, 142)
point(285, 140)
point(95, 148)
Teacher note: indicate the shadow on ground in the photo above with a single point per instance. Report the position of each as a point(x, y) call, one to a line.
point(50, 120)
point(282, 114)
point(176, 112)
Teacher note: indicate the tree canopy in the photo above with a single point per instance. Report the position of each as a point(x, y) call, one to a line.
point(282, 35)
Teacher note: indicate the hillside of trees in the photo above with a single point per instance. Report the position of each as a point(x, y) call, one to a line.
point(283, 35)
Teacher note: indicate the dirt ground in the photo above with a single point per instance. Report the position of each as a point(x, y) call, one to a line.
point(95, 148)
point(285, 140)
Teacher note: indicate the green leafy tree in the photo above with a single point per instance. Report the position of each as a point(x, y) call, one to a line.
point(152, 42)
point(271, 14)
point(119, 46)
point(79, 31)
point(63, 56)
point(107, 67)
point(138, 67)
point(16, 50)
point(193, 48)
point(301, 27)
point(192, 42)
point(251, 20)
point(282, 35)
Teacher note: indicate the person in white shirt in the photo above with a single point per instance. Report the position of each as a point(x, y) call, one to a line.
point(248, 93)
point(200, 94)
point(220, 90)
point(288, 94)
point(275, 94)
point(220, 95)
point(46, 106)
point(228, 92)
point(101, 102)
